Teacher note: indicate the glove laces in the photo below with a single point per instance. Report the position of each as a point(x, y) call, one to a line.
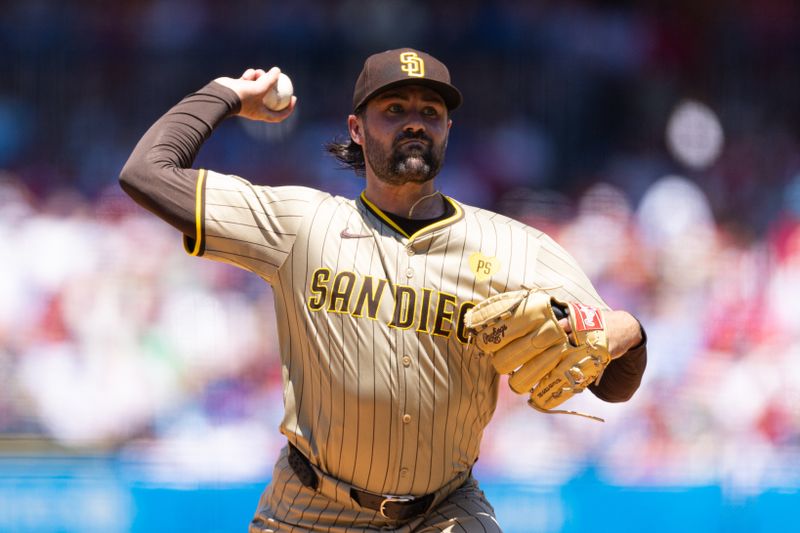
point(565, 412)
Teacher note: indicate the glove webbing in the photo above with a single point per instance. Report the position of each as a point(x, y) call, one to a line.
point(566, 411)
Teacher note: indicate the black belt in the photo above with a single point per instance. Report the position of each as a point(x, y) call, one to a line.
point(389, 506)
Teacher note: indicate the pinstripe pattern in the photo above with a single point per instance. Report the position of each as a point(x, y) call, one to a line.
point(388, 401)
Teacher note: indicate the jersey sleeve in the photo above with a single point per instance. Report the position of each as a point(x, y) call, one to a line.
point(249, 226)
point(558, 273)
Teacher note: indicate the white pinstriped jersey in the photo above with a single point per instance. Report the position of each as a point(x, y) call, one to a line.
point(381, 388)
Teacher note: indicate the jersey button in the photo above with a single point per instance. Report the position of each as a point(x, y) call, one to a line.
point(406, 360)
point(404, 472)
point(406, 418)
point(410, 251)
point(410, 273)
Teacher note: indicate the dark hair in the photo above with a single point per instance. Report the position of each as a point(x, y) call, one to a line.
point(349, 154)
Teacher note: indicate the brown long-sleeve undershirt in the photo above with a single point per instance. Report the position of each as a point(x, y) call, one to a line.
point(158, 174)
point(623, 375)
point(159, 177)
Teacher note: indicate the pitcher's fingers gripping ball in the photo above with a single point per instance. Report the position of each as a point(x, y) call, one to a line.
point(521, 332)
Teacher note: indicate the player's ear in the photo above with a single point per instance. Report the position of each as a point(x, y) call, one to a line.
point(356, 129)
point(449, 123)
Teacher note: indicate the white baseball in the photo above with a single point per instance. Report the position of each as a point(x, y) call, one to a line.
point(280, 94)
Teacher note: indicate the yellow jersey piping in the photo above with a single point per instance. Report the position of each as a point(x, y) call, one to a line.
point(436, 225)
point(198, 215)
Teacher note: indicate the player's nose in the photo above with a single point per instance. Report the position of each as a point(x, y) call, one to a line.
point(413, 131)
point(414, 121)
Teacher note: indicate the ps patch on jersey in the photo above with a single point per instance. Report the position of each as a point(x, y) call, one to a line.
point(482, 266)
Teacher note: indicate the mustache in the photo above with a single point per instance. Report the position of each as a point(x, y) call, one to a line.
point(412, 136)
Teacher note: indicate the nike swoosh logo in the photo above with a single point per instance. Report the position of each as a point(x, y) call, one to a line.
point(345, 234)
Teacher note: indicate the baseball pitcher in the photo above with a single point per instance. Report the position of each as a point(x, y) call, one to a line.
point(399, 309)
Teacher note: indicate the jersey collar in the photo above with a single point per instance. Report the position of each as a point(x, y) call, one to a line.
point(457, 215)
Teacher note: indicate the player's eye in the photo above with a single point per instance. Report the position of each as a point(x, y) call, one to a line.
point(395, 108)
point(430, 111)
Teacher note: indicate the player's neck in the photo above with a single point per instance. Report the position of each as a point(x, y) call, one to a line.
point(410, 200)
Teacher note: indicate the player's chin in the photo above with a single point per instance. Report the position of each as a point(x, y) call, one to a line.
point(415, 169)
point(413, 164)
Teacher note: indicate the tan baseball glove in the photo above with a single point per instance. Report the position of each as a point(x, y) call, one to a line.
point(521, 332)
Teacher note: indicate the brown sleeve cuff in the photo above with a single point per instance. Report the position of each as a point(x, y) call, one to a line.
point(208, 99)
point(623, 375)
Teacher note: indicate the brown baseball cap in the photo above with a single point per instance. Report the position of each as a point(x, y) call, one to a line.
point(404, 66)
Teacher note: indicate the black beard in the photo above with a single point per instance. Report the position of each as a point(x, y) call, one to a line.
point(405, 165)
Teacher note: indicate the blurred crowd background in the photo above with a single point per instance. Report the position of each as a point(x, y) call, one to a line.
point(659, 142)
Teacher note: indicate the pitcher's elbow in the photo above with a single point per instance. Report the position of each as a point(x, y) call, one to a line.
point(130, 179)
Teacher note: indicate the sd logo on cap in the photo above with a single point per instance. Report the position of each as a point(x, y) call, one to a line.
point(413, 65)
point(383, 70)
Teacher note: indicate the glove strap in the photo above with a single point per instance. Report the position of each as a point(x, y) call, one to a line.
point(564, 412)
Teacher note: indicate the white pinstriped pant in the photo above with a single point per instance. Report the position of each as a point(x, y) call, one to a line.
point(289, 506)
